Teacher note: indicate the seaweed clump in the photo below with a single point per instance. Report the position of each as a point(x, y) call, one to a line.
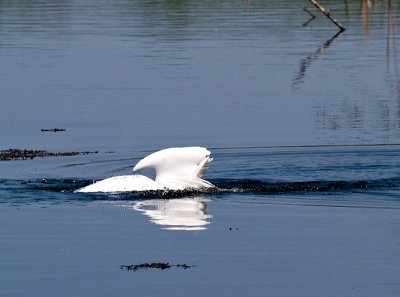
point(17, 154)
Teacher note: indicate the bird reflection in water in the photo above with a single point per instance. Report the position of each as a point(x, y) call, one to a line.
point(188, 214)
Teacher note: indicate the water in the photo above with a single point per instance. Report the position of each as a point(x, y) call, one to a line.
point(303, 124)
point(305, 221)
point(131, 75)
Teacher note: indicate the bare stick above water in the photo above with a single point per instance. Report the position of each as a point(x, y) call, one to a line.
point(328, 14)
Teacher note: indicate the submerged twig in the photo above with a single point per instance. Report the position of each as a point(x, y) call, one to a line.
point(312, 16)
point(158, 265)
point(328, 14)
point(53, 130)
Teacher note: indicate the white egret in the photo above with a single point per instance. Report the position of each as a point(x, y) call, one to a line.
point(176, 169)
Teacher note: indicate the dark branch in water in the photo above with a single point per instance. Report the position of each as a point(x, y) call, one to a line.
point(161, 266)
point(17, 154)
point(328, 14)
point(53, 130)
point(312, 17)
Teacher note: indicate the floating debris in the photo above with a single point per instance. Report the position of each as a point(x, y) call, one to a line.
point(160, 265)
point(17, 154)
point(53, 130)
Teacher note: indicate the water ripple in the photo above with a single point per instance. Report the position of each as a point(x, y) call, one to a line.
point(59, 190)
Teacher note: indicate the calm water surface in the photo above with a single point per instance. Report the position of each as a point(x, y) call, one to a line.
point(124, 75)
point(303, 124)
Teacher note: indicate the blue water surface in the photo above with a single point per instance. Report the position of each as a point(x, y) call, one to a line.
point(303, 124)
